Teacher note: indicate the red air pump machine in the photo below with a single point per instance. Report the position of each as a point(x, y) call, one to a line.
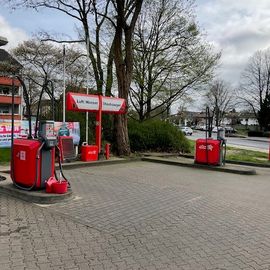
point(208, 150)
point(33, 159)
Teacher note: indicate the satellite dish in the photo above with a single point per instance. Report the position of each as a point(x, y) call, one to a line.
point(3, 41)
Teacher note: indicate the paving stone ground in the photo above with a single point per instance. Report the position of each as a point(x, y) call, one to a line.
point(143, 216)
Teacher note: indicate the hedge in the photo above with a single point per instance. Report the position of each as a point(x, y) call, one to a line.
point(156, 135)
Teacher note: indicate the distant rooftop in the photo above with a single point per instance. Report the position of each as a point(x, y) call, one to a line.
point(3, 41)
point(8, 63)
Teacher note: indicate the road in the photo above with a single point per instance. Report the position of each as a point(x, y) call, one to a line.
point(253, 143)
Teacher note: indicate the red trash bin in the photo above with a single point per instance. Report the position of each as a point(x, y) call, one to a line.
point(208, 152)
point(89, 153)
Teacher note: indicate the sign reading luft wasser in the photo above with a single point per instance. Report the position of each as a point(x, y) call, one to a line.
point(94, 103)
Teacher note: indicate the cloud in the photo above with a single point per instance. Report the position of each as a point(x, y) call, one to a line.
point(13, 34)
point(238, 29)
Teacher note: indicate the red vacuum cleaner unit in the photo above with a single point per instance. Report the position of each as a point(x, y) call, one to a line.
point(32, 165)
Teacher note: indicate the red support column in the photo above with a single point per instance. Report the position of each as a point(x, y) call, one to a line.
point(98, 124)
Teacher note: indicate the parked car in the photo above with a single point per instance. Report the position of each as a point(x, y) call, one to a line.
point(200, 127)
point(215, 129)
point(186, 130)
point(230, 130)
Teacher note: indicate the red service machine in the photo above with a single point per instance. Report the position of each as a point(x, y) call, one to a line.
point(209, 151)
point(33, 159)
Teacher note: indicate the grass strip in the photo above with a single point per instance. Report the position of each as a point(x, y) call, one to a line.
point(4, 156)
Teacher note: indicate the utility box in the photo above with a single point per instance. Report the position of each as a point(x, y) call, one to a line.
point(209, 151)
point(89, 152)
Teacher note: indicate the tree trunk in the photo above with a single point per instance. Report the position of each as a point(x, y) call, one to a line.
point(123, 58)
point(122, 140)
point(123, 147)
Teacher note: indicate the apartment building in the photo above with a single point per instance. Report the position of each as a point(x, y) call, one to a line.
point(8, 67)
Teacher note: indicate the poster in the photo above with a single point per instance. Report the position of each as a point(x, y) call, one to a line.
point(21, 130)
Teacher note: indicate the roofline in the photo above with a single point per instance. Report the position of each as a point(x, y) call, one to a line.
point(3, 41)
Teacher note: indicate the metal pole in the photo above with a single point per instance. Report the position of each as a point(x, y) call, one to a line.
point(87, 89)
point(64, 84)
point(269, 150)
point(12, 126)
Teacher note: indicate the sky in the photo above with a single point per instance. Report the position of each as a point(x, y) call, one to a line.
point(237, 28)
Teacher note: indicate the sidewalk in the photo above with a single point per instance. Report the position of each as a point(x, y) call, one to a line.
point(258, 139)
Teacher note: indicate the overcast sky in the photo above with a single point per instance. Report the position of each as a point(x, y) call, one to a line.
point(238, 28)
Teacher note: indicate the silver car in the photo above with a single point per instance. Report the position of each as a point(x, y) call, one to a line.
point(187, 130)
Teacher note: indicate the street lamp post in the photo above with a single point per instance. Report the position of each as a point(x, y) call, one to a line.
point(87, 89)
point(64, 84)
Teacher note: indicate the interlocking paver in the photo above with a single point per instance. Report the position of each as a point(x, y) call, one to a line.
point(143, 216)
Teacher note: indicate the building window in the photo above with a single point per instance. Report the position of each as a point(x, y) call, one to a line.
point(7, 90)
point(6, 109)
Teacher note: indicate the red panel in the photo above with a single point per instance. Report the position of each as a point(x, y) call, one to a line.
point(8, 100)
point(8, 81)
point(24, 161)
point(89, 152)
point(207, 151)
point(8, 117)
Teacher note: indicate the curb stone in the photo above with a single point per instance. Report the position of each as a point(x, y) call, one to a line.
point(242, 171)
point(38, 196)
point(245, 163)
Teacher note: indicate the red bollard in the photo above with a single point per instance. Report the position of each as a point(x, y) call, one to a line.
point(107, 150)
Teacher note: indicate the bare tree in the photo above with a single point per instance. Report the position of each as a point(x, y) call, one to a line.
point(254, 89)
point(42, 62)
point(123, 16)
point(170, 56)
point(91, 16)
point(219, 99)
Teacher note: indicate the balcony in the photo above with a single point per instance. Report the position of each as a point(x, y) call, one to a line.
point(8, 81)
point(6, 116)
point(8, 100)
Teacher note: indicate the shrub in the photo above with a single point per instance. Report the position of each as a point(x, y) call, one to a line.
point(156, 135)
